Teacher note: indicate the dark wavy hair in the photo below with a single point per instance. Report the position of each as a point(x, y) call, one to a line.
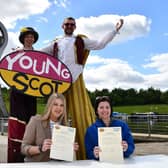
point(102, 99)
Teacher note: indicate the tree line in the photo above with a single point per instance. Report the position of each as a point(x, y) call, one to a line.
point(119, 96)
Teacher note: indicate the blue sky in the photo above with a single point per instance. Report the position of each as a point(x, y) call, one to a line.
point(136, 58)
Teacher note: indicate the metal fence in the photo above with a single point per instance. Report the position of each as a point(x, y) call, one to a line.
point(149, 124)
point(3, 125)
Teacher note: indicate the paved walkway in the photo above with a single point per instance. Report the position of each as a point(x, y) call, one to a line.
point(3, 149)
point(150, 136)
point(151, 148)
point(140, 148)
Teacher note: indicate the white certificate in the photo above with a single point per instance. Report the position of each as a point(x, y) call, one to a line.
point(63, 139)
point(109, 140)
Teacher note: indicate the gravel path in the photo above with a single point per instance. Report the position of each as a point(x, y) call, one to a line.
point(151, 148)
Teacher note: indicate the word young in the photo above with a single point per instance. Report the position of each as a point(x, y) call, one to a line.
point(35, 73)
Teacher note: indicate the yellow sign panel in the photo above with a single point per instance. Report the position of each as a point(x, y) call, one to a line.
point(35, 73)
point(32, 85)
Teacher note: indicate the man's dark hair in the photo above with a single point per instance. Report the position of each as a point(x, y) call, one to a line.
point(70, 18)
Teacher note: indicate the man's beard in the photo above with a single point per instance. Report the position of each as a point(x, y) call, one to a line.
point(69, 32)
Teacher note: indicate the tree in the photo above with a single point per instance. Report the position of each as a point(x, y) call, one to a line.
point(164, 97)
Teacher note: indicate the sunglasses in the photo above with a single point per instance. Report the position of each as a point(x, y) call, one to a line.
point(69, 24)
point(99, 98)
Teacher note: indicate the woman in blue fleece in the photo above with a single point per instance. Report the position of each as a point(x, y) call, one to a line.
point(103, 110)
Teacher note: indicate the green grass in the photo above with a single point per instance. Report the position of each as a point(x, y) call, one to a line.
point(40, 108)
point(160, 109)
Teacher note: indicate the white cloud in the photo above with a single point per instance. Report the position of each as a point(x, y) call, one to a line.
point(62, 3)
point(20, 10)
point(42, 19)
point(13, 42)
point(159, 62)
point(110, 73)
point(95, 27)
point(160, 78)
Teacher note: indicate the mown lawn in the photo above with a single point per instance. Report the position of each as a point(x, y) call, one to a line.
point(40, 108)
point(159, 108)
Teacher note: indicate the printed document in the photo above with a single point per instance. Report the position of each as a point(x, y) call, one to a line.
point(63, 139)
point(110, 143)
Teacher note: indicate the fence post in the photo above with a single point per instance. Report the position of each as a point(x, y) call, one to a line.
point(149, 124)
point(2, 128)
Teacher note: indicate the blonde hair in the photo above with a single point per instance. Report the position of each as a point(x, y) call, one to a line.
point(50, 102)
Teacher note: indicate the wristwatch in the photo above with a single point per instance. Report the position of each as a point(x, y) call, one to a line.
point(40, 148)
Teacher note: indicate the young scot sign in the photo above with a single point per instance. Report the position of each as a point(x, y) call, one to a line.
point(35, 73)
